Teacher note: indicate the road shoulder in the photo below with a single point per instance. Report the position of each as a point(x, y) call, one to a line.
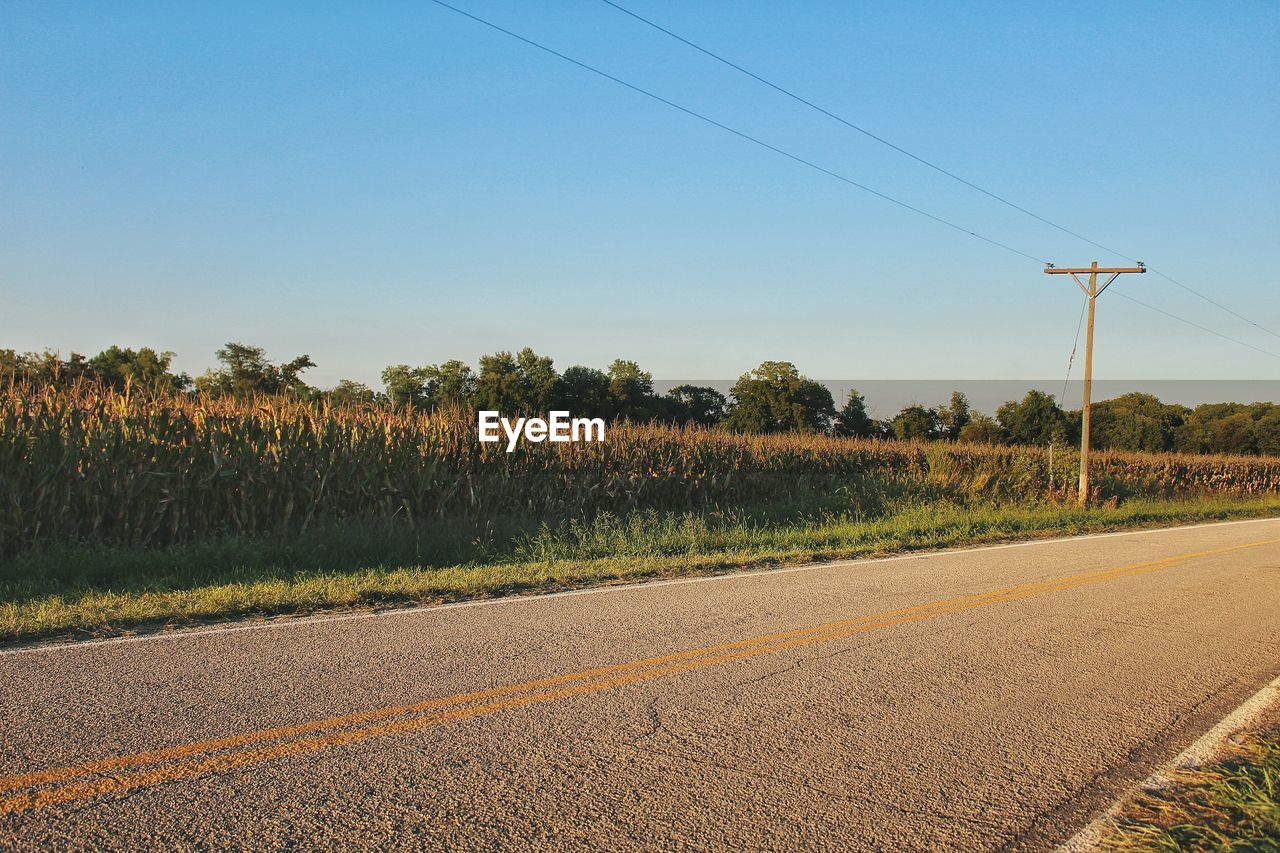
point(1263, 708)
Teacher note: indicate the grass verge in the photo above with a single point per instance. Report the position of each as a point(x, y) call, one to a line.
point(78, 592)
point(1232, 805)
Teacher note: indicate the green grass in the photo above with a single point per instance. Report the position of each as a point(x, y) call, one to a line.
point(1229, 806)
point(70, 592)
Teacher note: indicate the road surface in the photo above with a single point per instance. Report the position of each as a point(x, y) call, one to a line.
point(989, 698)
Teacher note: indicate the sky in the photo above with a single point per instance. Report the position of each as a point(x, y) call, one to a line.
point(387, 183)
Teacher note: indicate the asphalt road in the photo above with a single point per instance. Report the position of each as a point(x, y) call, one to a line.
point(969, 699)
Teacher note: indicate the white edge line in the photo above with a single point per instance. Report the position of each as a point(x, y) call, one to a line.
point(1204, 751)
point(287, 621)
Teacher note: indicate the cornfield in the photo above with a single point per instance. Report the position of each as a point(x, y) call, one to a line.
point(92, 465)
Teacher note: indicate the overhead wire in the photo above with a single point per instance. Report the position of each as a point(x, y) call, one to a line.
point(1074, 346)
point(1124, 295)
point(925, 162)
point(844, 179)
point(1189, 289)
point(741, 134)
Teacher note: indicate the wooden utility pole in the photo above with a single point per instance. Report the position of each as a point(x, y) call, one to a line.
point(1091, 292)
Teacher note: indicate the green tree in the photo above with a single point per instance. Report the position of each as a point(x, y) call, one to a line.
point(853, 420)
point(584, 392)
point(541, 382)
point(521, 384)
point(953, 418)
point(448, 385)
point(776, 398)
point(246, 370)
point(144, 367)
point(45, 368)
point(916, 423)
point(632, 391)
point(499, 385)
point(1135, 422)
point(350, 392)
point(1229, 428)
point(291, 375)
point(1235, 434)
point(451, 384)
point(982, 430)
point(407, 386)
point(1266, 432)
point(697, 405)
point(1035, 420)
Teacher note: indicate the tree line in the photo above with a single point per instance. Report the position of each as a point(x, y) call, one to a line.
point(773, 397)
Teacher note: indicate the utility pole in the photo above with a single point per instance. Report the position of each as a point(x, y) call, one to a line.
point(1091, 292)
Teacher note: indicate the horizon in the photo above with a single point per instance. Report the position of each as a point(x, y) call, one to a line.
point(885, 397)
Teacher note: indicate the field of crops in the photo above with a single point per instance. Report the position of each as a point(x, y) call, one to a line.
point(94, 466)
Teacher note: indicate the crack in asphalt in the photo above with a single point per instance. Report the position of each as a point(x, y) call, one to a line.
point(695, 754)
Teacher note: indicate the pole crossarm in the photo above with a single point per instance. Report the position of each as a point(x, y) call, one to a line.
point(1052, 270)
point(1091, 292)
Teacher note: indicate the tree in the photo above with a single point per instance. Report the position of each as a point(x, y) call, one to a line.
point(1266, 432)
point(1234, 434)
point(982, 430)
point(1036, 420)
point(499, 386)
point(584, 392)
point(1196, 433)
point(407, 386)
point(697, 405)
point(246, 370)
point(542, 383)
point(632, 392)
point(853, 419)
point(916, 423)
point(953, 418)
point(1135, 422)
point(452, 384)
point(776, 398)
point(144, 367)
point(46, 368)
point(291, 375)
point(522, 384)
point(1229, 428)
point(447, 385)
point(350, 392)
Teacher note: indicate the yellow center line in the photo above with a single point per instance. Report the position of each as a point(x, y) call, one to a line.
point(190, 762)
point(234, 741)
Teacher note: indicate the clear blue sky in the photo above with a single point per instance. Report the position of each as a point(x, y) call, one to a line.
point(389, 182)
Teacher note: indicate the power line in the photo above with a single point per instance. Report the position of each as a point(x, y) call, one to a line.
point(1062, 398)
point(852, 126)
point(1123, 295)
point(1213, 302)
point(740, 134)
point(822, 169)
point(1072, 358)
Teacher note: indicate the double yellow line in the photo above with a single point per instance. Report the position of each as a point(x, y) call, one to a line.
point(44, 788)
